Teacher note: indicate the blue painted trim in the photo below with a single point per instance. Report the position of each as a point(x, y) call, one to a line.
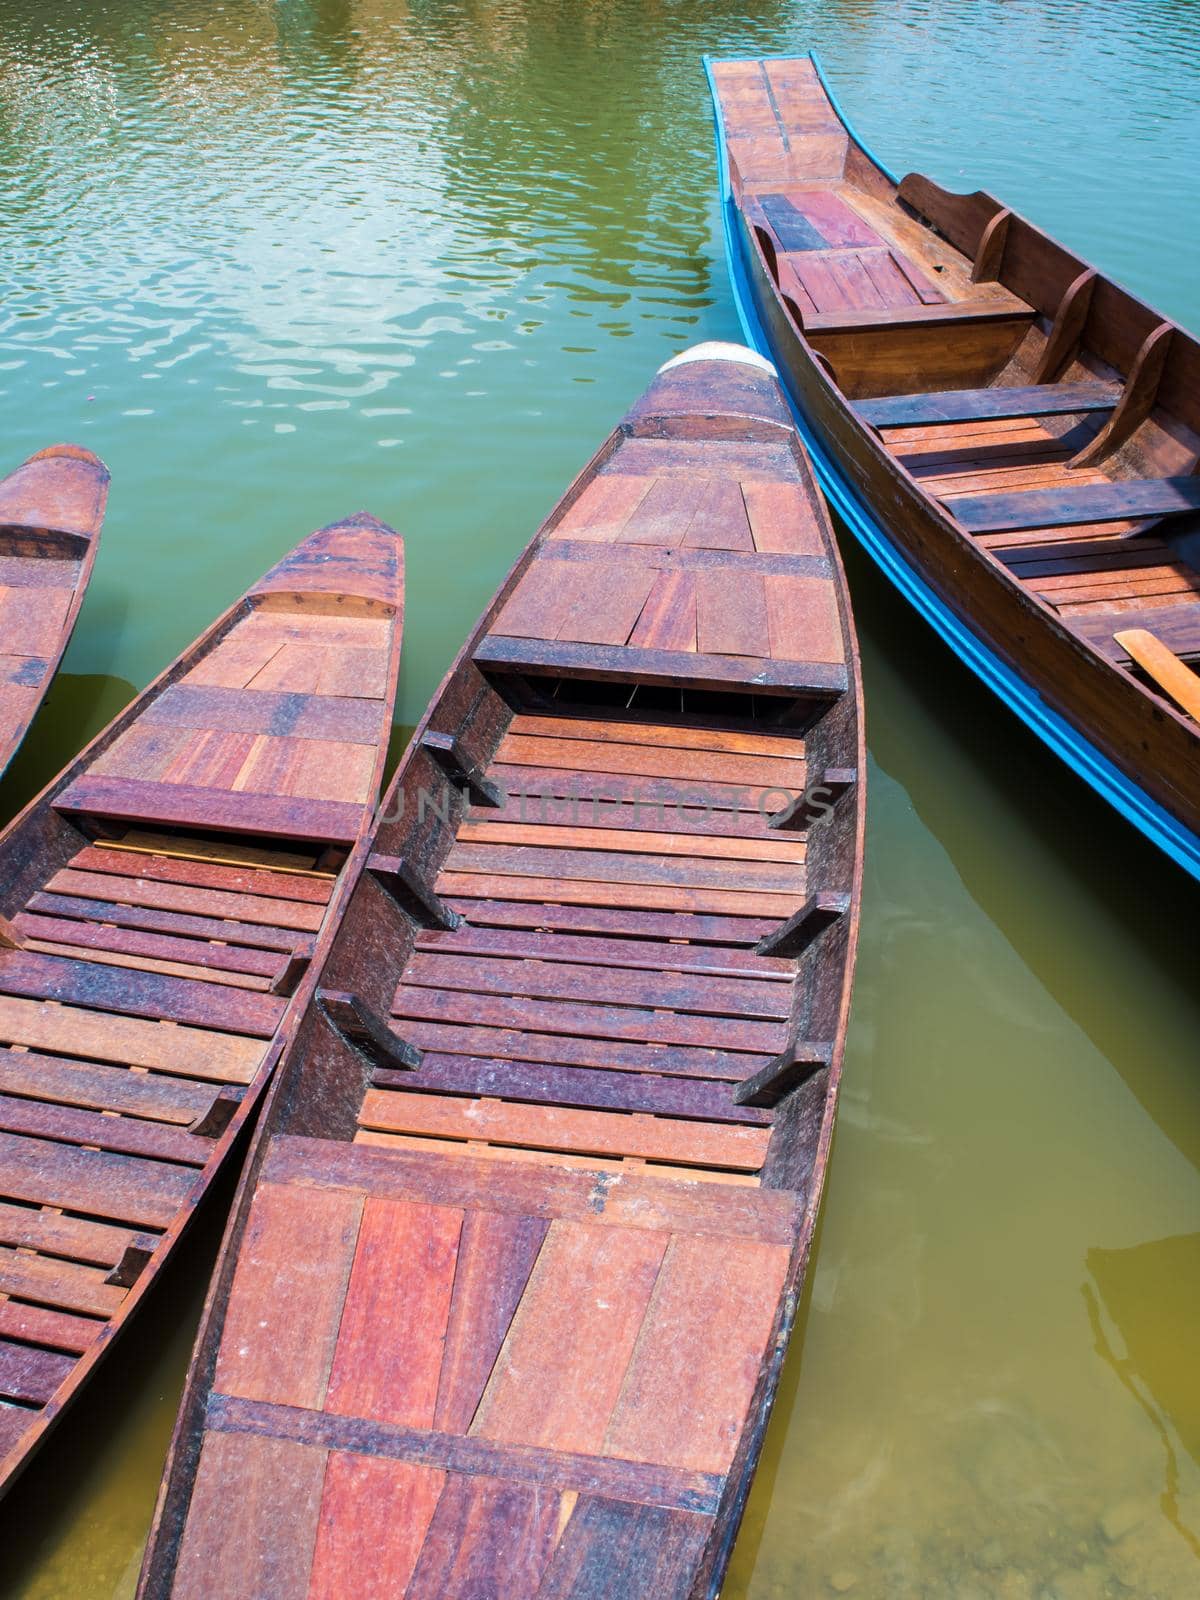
point(1113, 785)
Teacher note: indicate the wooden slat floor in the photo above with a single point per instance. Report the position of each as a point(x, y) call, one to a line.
point(151, 975)
point(1085, 572)
point(582, 1012)
point(557, 1398)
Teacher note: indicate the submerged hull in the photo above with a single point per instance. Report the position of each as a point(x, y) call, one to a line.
point(508, 1285)
point(1035, 609)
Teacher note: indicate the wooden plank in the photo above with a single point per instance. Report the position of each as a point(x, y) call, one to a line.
point(669, 668)
point(134, 993)
point(100, 1088)
point(587, 794)
point(31, 1376)
point(602, 509)
point(582, 1087)
point(147, 1194)
point(598, 1166)
point(643, 760)
point(549, 1470)
point(602, 1133)
point(495, 1258)
point(692, 1376)
point(560, 1371)
point(541, 601)
point(302, 716)
point(56, 1234)
point(612, 1550)
point(205, 760)
point(696, 846)
point(170, 969)
point(241, 934)
point(315, 890)
point(657, 955)
point(664, 513)
point(783, 519)
point(639, 896)
point(740, 931)
point(1059, 508)
point(720, 521)
point(731, 620)
point(401, 1280)
point(220, 904)
point(511, 1190)
point(59, 1330)
point(617, 1055)
point(225, 851)
point(608, 606)
point(613, 867)
point(178, 805)
point(589, 1021)
point(98, 1130)
point(66, 1285)
point(285, 1305)
point(804, 618)
point(235, 1540)
point(730, 741)
point(1168, 673)
point(961, 405)
point(374, 1516)
point(668, 618)
point(487, 1537)
point(98, 938)
point(566, 980)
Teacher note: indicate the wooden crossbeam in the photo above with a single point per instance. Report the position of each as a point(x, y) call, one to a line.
point(789, 1069)
point(817, 913)
point(817, 800)
point(367, 1032)
point(987, 405)
point(447, 751)
point(409, 889)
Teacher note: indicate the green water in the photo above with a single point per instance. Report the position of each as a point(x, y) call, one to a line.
point(276, 262)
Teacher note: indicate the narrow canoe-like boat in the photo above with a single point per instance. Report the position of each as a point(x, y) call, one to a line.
point(51, 509)
point(506, 1291)
point(166, 903)
point(1013, 436)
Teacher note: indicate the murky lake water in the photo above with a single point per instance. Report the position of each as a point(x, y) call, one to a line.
point(276, 262)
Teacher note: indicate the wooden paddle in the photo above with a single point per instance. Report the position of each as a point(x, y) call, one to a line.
point(1173, 676)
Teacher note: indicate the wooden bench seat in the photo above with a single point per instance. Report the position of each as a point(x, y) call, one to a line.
point(972, 405)
point(1093, 502)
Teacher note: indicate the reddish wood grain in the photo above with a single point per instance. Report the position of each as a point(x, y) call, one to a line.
point(373, 1520)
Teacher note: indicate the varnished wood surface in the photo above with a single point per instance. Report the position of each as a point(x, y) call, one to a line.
point(1034, 457)
point(151, 974)
point(511, 1269)
point(51, 511)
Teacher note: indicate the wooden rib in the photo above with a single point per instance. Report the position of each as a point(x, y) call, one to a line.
point(1063, 340)
point(1137, 401)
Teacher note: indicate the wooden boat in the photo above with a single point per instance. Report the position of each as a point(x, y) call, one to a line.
point(166, 902)
point(1013, 436)
point(51, 509)
point(505, 1295)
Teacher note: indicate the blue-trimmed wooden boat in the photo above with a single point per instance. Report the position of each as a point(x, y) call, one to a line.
point(1012, 436)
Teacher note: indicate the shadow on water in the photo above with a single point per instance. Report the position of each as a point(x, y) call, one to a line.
point(1139, 907)
point(74, 711)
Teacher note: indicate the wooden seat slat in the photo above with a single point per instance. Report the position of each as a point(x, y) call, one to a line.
point(593, 792)
point(219, 903)
point(237, 935)
point(30, 1375)
point(169, 969)
point(100, 936)
point(101, 1088)
point(53, 1233)
point(67, 1285)
point(577, 1132)
point(613, 867)
point(741, 931)
point(696, 846)
point(661, 761)
point(496, 1078)
point(617, 1055)
point(59, 1330)
point(134, 993)
point(637, 896)
point(655, 955)
point(129, 1041)
point(203, 875)
point(589, 1021)
point(122, 1188)
point(561, 979)
point(131, 1136)
point(972, 405)
point(731, 742)
point(1091, 502)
